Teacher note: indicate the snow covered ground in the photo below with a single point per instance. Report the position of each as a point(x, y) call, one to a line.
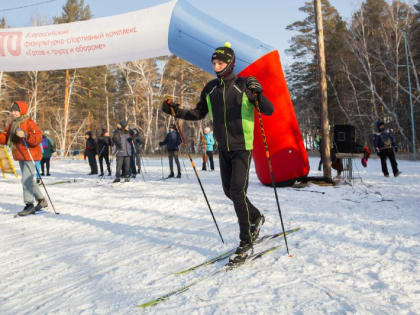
point(115, 246)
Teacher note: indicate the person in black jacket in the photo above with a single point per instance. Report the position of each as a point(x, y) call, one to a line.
point(104, 145)
point(90, 152)
point(385, 146)
point(136, 147)
point(172, 141)
point(121, 140)
point(230, 101)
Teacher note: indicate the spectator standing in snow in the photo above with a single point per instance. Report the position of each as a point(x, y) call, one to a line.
point(172, 142)
point(121, 140)
point(90, 153)
point(104, 146)
point(385, 147)
point(48, 147)
point(208, 136)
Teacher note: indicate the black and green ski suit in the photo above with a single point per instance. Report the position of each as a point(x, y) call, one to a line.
point(230, 105)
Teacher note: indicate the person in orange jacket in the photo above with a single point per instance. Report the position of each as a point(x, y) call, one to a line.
point(21, 129)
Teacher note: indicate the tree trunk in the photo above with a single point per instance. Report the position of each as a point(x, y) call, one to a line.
point(323, 91)
point(66, 110)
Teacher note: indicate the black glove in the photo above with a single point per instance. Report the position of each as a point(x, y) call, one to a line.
point(167, 107)
point(253, 85)
point(160, 143)
point(396, 149)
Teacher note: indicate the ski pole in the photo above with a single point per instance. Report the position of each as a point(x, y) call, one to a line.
point(42, 182)
point(142, 169)
point(143, 163)
point(195, 170)
point(185, 169)
point(270, 167)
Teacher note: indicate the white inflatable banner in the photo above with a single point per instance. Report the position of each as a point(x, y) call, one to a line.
point(132, 36)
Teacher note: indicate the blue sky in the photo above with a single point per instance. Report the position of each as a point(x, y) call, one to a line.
point(263, 19)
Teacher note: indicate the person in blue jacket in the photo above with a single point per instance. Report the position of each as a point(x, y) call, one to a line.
point(172, 142)
point(208, 136)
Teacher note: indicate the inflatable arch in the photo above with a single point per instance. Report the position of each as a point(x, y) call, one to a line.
point(173, 27)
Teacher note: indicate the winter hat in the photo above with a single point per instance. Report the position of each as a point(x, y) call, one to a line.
point(225, 54)
point(123, 123)
point(379, 123)
point(15, 108)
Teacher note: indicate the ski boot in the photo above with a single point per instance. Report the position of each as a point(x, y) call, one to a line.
point(41, 204)
point(242, 253)
point(256, 227)
point(29, 209)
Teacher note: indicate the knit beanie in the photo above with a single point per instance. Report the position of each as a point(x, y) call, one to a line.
point(15, 108)
point(123, 123)
point(225, 54)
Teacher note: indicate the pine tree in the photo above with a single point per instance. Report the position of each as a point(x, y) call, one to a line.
point(302, 75)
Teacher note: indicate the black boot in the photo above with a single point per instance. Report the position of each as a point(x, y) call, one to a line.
point(109, 173)
point(41, 204)
point(242, 253)
point(29, 209)
point(179, 175)
point(256, 227)
point(171, 175)
point(117, 180)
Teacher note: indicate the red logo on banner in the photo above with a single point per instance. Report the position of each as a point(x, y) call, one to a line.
point(13, 46)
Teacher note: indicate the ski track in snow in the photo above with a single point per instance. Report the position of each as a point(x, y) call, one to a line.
point(115, 246)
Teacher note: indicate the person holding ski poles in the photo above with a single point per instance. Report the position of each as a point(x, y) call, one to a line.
point(24, 137)
point(137, 142)
point(230, 100)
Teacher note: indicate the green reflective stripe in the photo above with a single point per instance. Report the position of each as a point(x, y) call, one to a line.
point(224, 109)
point(247, 112)
point(246, 204)
point(209, 106)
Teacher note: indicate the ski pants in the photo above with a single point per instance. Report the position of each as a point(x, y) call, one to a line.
point(38, 168)
point(234, 170)
point(45, 162)
point(101, 163)
point(92, 163)
point(123, 164)
point(385, 154)
point(31, 190)
point(210, 158)
point(138, 162)
point(133, 170)
point(174, 155)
